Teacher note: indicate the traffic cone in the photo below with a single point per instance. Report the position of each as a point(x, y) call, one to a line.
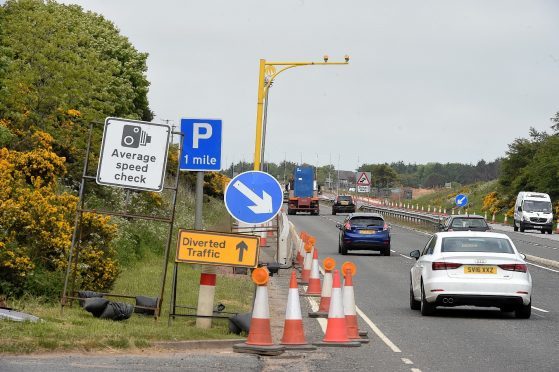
point(336, 329)
point(293, 332)
point(314, 279)
point(329, 264)
point(306, 273)
point(259, 339)
point(300, 253)
point(350, 311)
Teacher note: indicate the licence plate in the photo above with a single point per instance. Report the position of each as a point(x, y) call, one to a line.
point(366, 231)
point(480, 270)
point(537, 227)
point(344, 203)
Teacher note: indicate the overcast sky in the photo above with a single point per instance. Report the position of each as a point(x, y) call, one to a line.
point(428, 81)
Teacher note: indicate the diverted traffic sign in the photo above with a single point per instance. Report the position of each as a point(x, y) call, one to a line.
point(201, 147)
point(461, 200)
point(253, 197)
point(133, 154)
point(363, 178)
point(212, 248)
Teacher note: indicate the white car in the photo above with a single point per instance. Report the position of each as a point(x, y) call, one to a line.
point(470, 268)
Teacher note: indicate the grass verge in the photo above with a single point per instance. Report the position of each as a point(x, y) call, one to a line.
point(78, 330)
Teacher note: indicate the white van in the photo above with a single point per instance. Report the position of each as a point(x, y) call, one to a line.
point(533, 211)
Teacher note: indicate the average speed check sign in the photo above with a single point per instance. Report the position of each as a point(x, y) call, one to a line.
point(133, 154)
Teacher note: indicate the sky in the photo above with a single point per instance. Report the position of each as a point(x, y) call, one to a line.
point(428, 81)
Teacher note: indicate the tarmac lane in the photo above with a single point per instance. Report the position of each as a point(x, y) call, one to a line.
point(454, 339)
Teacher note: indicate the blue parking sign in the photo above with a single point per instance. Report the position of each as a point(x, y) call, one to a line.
point(201, 145)
point(253, 197)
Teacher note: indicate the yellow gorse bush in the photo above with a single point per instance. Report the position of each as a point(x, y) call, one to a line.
point(37, 222)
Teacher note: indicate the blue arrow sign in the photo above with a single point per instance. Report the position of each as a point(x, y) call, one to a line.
point(253, 197)
point(461, 200)
point(201, 145)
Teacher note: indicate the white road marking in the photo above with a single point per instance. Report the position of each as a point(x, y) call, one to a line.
point(415, 370)
point(543, 267)
point(409, 258)
point(393, 251)
point(406, 361)
point(314, 306)
point(378, 332)
point(542, 310)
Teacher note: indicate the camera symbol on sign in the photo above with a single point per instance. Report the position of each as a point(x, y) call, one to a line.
point(133, 136)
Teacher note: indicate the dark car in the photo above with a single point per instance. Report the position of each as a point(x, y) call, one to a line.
point(343, 204)
point(469, 222)
point(364, 231)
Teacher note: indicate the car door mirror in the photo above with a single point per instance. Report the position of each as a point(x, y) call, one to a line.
point(415, 254)
point(520, 209)
point(339, 225)
point(523, 256)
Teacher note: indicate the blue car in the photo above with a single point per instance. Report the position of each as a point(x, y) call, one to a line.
point(364, 231)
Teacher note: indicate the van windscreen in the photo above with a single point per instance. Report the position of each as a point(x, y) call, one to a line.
point(537, 206)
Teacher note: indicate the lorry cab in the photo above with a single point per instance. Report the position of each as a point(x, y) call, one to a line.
point(533, 211)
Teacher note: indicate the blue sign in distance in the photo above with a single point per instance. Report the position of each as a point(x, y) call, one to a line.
point(253, 197)
point(461, 200)
point(201, 145)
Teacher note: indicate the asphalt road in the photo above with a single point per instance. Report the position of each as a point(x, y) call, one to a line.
point(460, 339)
point(454, 339)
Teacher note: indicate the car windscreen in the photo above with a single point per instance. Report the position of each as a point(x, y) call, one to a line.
point(537, 206)
point(468, 222)
point(344, 198)
point(478, 244)
point(366, 221)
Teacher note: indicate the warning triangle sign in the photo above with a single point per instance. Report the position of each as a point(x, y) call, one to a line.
point(363, 179)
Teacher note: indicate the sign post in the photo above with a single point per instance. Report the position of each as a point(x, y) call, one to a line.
point(201, 151)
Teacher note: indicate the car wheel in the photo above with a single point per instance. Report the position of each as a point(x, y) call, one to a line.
point(386, 252)
point(515, 228)
point(542, 231)
point(521, 228)
point(333, 212)
point(550, 231)
point(339, 247)
point(343, 250)
point(414, 304)
point(523, 311)
point(426, 308)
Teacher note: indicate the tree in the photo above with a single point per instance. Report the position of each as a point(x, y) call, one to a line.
point(61, 68)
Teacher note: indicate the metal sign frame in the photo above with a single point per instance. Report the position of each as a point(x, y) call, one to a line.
point(73, 259)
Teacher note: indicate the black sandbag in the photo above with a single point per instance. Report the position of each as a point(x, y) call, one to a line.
point(240, 322)
point(95, 305)
point(87, 294)
point(146, 302)
point(117, 311)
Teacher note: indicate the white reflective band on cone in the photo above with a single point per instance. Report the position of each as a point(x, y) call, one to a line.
point(293, 310)
point(349, 301)
point(327, 285)
point(261, 309)
point(336, 304)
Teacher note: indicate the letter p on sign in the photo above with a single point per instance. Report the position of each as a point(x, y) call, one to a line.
point(200, 131)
